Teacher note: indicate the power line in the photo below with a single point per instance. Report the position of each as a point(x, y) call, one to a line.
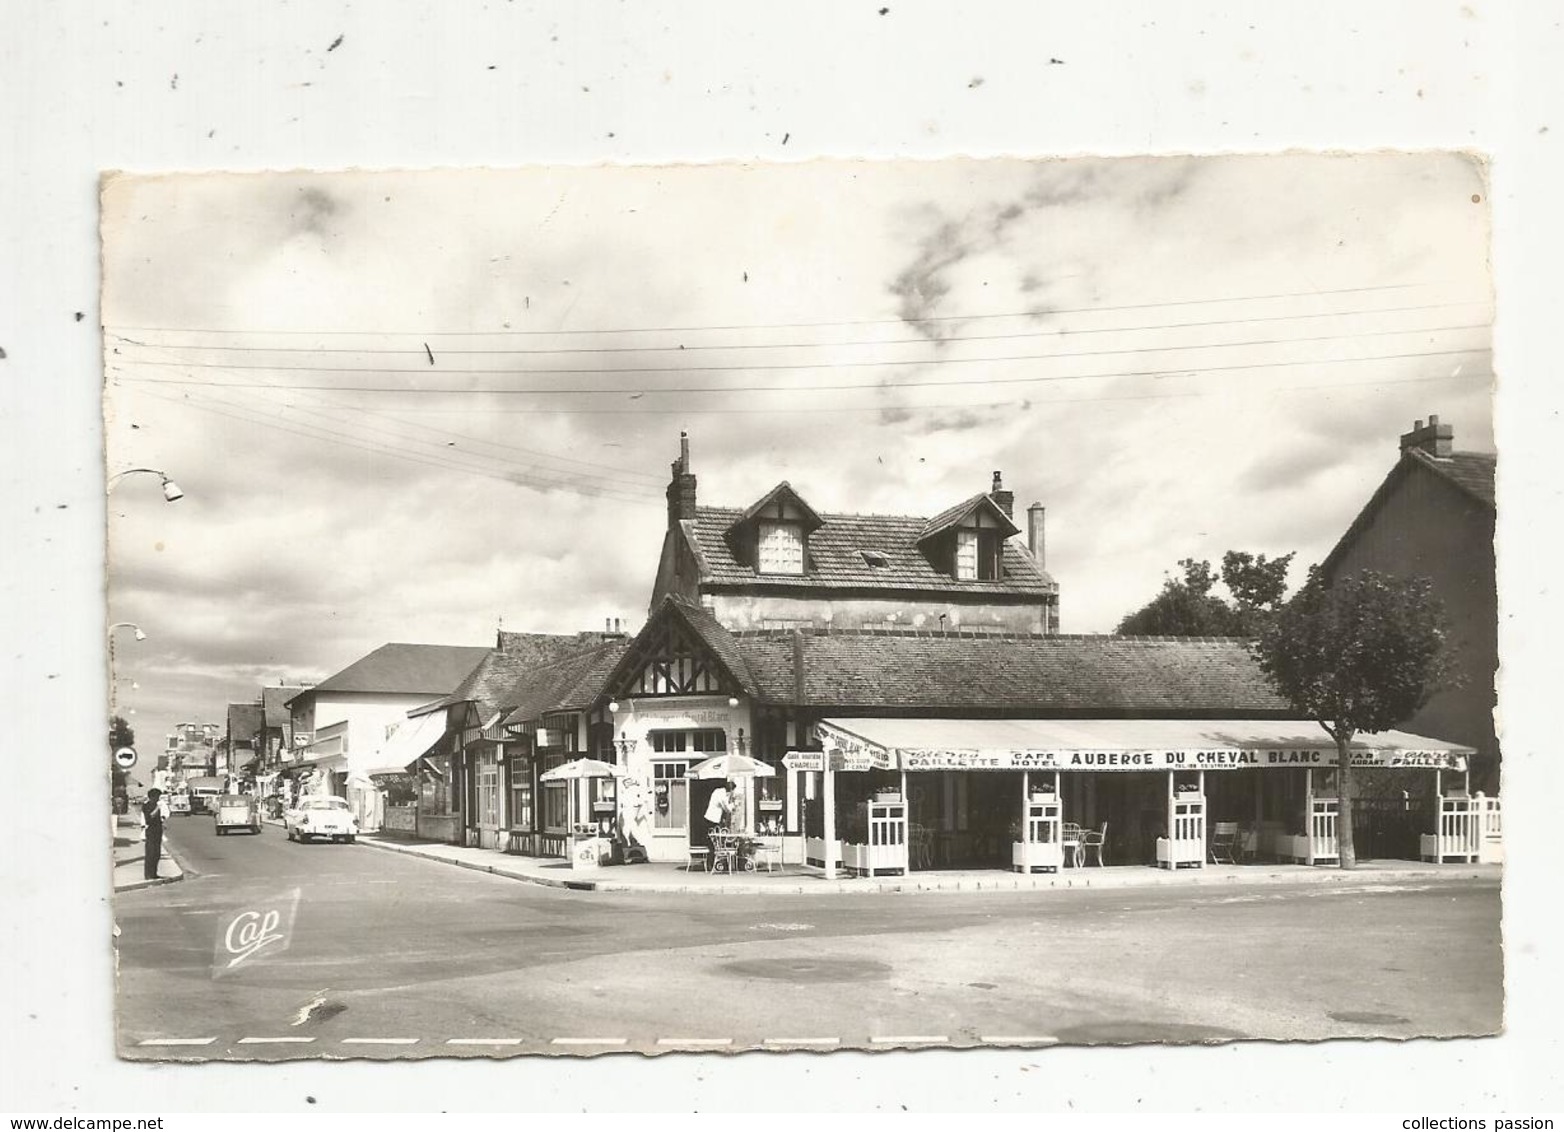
point(773, 367)
point(1040, 312)
point(606, 483)
point(320, 433)
point(597, 470)
point(817, 388)
point(944, 406)
point(418, 351)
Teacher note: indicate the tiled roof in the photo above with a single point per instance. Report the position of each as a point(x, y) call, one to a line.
point(407, 669)
point(275, 702)
point(721, 642)
point(570, 683)
point(952, 515)
point(1472, 472)
point(244, 720)
point(836, 559)
point(491, 685)
point(783, 490)
point(1060, 675)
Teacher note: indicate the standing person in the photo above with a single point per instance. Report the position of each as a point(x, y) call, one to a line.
point(152, 820)
point(719, 810)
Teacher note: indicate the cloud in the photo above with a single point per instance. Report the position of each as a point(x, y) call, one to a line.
point(319, 524)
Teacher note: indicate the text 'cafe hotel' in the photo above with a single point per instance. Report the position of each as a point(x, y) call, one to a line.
point(919, 658)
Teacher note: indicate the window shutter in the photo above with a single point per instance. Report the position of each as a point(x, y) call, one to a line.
point(966, 554)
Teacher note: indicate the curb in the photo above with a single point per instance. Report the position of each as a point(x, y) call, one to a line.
point(134, 885)
point(1000, 882)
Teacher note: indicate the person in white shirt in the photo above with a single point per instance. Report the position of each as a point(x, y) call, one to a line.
point(719, 811)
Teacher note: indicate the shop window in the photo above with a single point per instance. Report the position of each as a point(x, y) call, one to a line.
point(487, 782)
point(672, 792)
point(556, 807)
point(521, 802)
point(780, 547)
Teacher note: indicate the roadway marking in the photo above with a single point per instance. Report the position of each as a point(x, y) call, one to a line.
point(803, 1041)
point(911, 1041)
point(712, 1042)
point(1033, 1040)
point(177, 1042)
point(589, 1041)
point(379, 1041)
point(274, 1041)
point(483, 1041)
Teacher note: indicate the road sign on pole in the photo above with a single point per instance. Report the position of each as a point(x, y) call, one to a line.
point(804, 760)
point(125, 758)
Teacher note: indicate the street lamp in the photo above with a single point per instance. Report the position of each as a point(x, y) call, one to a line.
point(113, 681)
point(171, 490)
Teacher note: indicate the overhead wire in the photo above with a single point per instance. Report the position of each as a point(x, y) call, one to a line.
point(923, 340)
point(318, 432)
point(556, 391)
point(1036, 312)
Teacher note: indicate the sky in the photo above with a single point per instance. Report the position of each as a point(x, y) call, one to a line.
point(419, 406)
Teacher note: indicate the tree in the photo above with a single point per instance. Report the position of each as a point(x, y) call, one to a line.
point(1186, 607)
point(1360, 654)
point(121, 734)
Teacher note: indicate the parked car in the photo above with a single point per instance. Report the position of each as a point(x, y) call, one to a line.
point(236, 811)
point(321, 815)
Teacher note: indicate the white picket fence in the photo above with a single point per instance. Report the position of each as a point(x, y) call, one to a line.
point(1459, 831)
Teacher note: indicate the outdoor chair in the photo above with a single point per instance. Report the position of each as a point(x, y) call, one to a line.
point(767, 852)
point(1224, 843)
point(1070, 840)
point(700, 858)
point(1094, 840)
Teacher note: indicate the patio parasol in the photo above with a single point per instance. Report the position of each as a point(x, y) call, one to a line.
point(578, 769)
point(575, 771)
point(730, 766)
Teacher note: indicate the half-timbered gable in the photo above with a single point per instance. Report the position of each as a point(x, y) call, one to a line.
point(675, 655)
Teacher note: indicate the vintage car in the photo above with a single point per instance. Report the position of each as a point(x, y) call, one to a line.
point(236, 811)
point(178, 802)
point(204, 793)
point(321, 815)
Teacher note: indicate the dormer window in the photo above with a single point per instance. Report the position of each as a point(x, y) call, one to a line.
point(772, 535)
point(978, 554)
point(779, 547)
point(968, 540)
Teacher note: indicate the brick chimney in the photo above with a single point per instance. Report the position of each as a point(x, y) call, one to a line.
point(1433, 438)
point(681, 486)
point(1005, 499)
point(1034, 534)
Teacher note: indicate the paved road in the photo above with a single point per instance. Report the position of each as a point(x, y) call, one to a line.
point(393, 956)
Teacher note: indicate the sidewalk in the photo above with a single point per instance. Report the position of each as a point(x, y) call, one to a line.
point(799, 881)
point(129, 857)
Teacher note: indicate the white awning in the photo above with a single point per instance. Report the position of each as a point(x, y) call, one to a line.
point(1120, 745)
point(411, 741)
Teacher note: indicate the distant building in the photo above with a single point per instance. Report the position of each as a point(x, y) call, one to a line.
point(241, 744)
point(353, 708)
point(191, 750)
point(1433, 516)
point(779, 564)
